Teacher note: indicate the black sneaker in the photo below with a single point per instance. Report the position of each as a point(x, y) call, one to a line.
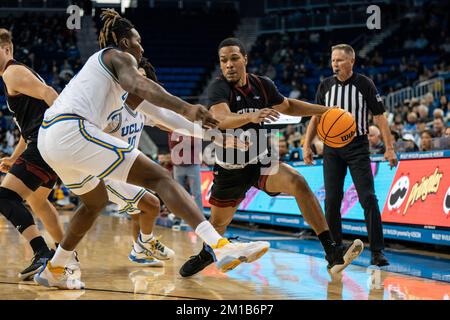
point(196, 263)
point(38, 261)
point(379, 259)
point(336, 257)
point(339, 260)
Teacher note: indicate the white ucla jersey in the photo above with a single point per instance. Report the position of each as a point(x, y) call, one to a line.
point(93, 93)
point(127, 125)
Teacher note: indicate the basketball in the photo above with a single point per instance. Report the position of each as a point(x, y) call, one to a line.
point(336, 128)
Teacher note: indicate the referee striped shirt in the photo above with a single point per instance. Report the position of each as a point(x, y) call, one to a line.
point(356, 95)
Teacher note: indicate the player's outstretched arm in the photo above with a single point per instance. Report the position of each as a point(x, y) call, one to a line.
point(231, 120)
point(20, 79)
point(168, 120)
point(131, 80)
point(294, 107)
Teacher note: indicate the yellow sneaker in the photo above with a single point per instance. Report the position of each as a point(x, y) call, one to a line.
point(230, 255)
point(59, 277)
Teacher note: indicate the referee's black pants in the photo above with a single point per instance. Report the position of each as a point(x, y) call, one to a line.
point(355, 156)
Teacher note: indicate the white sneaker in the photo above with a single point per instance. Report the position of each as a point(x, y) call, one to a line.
point(144, 258)
point(229, 255)
point(156, 248)
point(59, 277)
point(74, 265)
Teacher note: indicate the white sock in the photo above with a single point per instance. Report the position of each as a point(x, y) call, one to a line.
point(137, 247)
point(146, 237)
point(206, 231)
point(61, 257)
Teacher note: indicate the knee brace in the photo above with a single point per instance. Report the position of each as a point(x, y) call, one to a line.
point(12, 207)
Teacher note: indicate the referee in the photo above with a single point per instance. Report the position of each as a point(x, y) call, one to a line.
point(358, 95)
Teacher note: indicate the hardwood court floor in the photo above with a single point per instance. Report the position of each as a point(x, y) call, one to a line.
point(109, 274)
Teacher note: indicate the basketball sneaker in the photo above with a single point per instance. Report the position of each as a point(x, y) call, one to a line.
point(338, 261)
point(229, 255)
point(156, 248)
point(59, 277)
point(74, 265)
point(144, 258)
point(37, 262)
point(197, 263)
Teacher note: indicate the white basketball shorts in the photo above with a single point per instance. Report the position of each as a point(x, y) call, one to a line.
point(81, 154)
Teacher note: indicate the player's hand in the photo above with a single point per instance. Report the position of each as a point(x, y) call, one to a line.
point(307, 155)
point(197, 112)
point(391, 157)
point(6, 164)
point(264, 115)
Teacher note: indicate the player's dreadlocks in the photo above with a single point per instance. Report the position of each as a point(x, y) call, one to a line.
point(149, 69)
point(114, 28)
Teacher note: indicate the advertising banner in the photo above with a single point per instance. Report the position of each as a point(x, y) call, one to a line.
point(259, 201)
point(420, 194)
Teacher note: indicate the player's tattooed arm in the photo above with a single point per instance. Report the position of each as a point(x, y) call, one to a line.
point(20, 79)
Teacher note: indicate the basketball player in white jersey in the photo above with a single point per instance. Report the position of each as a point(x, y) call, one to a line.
point(72, 142)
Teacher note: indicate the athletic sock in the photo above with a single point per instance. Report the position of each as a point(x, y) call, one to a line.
point(61, 257)
point(146, 237)
point(327, 243)
point(38, 244)
point(206, 231)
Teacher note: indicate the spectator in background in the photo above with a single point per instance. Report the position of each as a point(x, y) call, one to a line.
point(447, 132)
point(376, 145)
point(10, 139)
point(443, 103)
point(397, 127)
point(425, 140)
point(421, 127)
point(422, 110)
point(186, 167)
point(296, 91)
point(410, 125)
point(5, 149)
point(271, 72)
point(293, 137)
point(438, 113)
point(438, 127)
point(407, 144)
point(428, 99)
point(283, 149)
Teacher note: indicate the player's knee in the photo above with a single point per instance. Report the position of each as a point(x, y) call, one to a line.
point(299, 185)
point(150, 204)
point(95, 207)
point(11, 206)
